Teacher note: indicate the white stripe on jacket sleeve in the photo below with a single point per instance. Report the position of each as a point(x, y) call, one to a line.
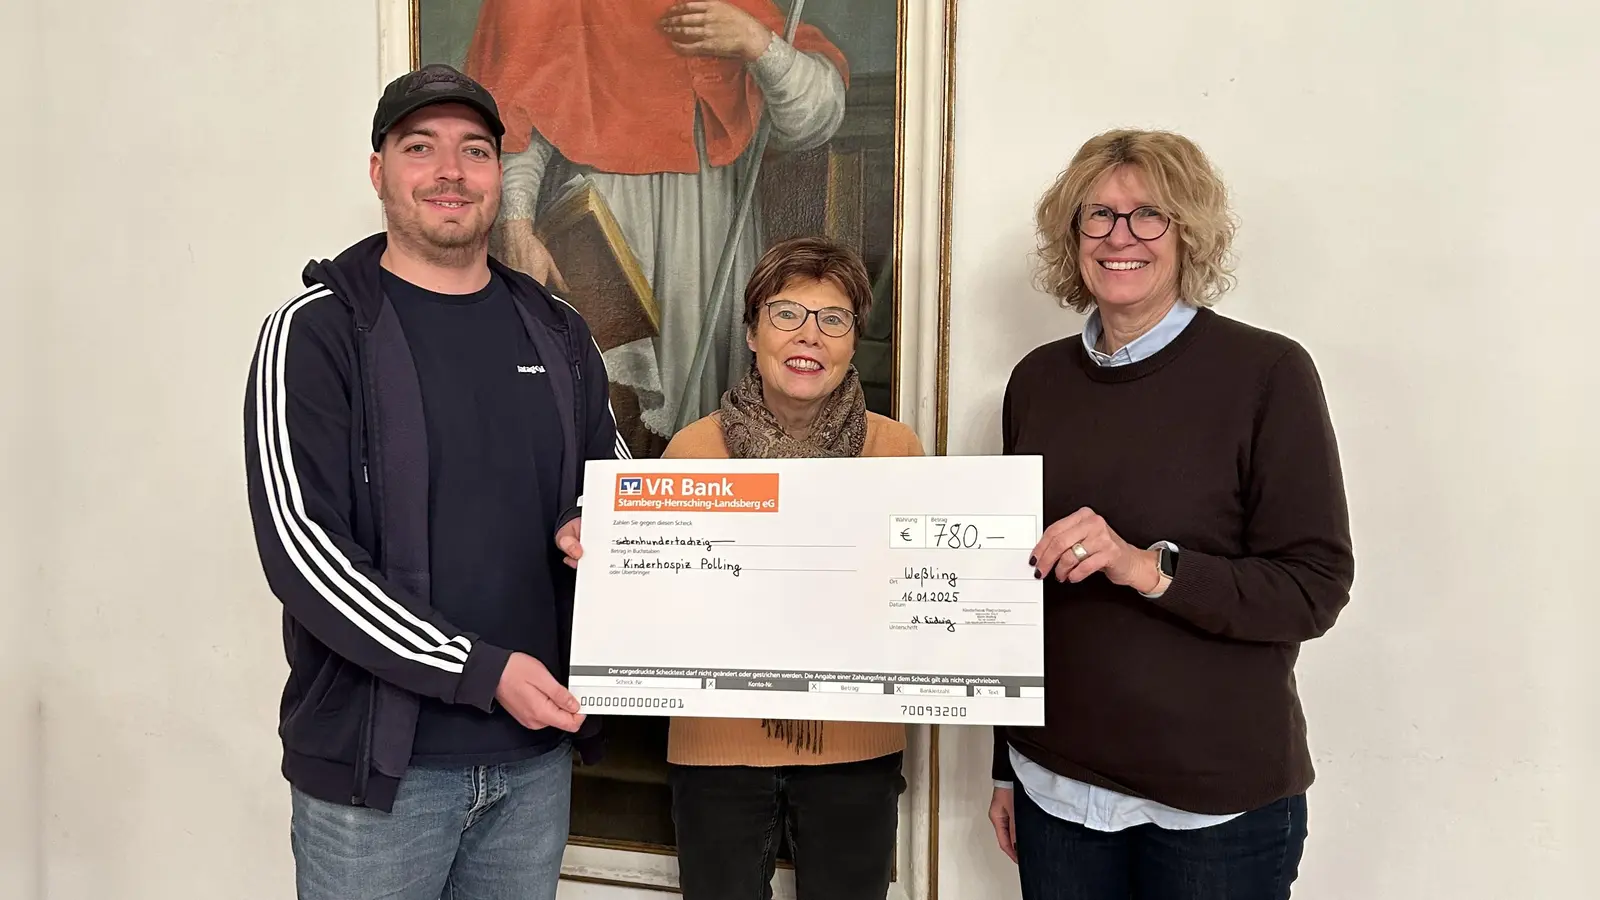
point(325, 568)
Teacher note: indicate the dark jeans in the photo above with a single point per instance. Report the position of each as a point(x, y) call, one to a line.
point(840, 819)
point(1253, 857)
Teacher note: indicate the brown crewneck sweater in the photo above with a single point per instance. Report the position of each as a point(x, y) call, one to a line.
point(1220, 443)
point(746, 742)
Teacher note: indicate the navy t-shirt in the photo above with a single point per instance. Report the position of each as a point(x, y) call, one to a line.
point(494, 469)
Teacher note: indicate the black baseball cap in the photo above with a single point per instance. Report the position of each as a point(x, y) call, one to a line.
point(433, 83)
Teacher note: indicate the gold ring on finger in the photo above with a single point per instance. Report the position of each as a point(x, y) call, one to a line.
point(1079, 552)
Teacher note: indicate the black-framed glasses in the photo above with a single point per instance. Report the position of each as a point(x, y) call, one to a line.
point(787, 315)
point(1146, 222)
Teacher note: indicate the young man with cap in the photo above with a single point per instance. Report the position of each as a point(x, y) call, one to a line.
point(416, 426)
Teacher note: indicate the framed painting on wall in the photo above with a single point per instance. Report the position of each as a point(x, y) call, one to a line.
point(645, 172)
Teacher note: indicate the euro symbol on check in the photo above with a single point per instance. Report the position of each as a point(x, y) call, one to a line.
point(905, 534)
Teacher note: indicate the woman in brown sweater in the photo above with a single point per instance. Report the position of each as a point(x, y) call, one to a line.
point(1199, 535)
point(833, 787)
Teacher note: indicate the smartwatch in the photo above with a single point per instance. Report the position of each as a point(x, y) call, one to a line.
point(1167, 565)
point(1168, 557)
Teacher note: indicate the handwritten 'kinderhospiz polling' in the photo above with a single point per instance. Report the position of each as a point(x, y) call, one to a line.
point(870, 589)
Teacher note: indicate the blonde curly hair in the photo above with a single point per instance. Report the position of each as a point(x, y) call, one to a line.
point(1185, 186)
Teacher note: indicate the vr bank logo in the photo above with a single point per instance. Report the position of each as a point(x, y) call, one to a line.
point(699, 492)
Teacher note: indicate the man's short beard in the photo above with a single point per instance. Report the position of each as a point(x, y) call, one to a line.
point(456, 249)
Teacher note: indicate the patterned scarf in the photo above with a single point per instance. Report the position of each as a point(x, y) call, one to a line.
point(751, 431)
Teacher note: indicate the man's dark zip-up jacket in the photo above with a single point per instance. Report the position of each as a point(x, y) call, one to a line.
point(337, 466)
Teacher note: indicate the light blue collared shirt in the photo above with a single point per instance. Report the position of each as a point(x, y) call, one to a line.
point(1067, 798)
point(1145, 345)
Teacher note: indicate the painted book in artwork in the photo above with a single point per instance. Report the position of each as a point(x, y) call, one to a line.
point(604, 280)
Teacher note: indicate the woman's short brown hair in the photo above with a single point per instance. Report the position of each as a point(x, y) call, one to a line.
point(1186, 187)
point(809, 259)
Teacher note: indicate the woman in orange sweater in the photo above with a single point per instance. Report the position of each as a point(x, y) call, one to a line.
point(833, 786)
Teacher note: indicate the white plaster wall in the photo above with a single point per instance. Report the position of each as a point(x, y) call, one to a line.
point(1421, 208)
point(19, 603)
point(191, 156)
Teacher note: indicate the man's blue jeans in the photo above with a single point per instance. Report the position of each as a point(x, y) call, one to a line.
point(479, 833)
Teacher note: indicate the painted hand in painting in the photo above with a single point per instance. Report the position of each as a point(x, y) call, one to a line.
point(714, 28)
point(526, 253)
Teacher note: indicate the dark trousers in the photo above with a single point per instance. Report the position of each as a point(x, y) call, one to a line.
point(840, 820)
point(1253, 857)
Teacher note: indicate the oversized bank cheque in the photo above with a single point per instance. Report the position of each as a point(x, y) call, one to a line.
point(868, 589)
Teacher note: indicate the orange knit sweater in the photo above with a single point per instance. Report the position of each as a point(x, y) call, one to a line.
point(744, 742)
